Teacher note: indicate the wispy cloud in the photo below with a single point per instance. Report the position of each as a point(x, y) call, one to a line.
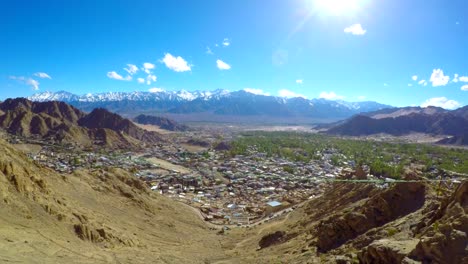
point(422, 82)
point(147, 67)
point(132, 69)
point(299, 81)
point(463, 78)
point(150, 78)
point(256, 91)
point(226, 42)
point(438, 78)
point(330, 96)
point(289, 94)
point(177, 64)
point(361, 98)
point(42, 75)
point(414, 77)
point(355, 29)
point(209, 51)
point(141, 80)
point(464, 87)
point(28, 81)
point(222, 65)
point(455, 78)
point(410, 84)
point(114, 75)
point(441, 102)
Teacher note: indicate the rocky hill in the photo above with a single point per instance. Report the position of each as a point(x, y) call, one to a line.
point(109, 216)
point(102, 216)
point(162, 122)
point(60, 122)
point(216, 106)
point(403, 121)
point(359, 223)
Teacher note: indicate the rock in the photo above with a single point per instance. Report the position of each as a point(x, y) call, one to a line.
point(272, 239)
point(387, 251)
point(342, 260)
point(360, 173)
point(446, 240)
point(384, 207)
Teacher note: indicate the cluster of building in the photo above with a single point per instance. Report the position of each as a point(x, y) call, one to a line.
point(242, 189)
point(239, 190)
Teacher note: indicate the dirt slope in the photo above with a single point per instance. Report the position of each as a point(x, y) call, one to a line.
point(93, 217)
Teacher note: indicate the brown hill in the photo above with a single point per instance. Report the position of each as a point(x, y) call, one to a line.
point(105, 216)
point(359, 223)
point(60, 122)
point(403, 121)
point(162, 122)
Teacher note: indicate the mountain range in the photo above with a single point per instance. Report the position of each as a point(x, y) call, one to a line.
point(406, 120)
point(61, 122)
point(218, 105)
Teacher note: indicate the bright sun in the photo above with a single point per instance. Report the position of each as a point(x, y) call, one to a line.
point(337, 7)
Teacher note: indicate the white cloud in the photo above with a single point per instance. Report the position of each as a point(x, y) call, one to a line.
point(463, 78)
point(355, 29)
point(147, 67)
point(42, 75)
point(300, 81)
point(177, 64)
point(330, 96)
point(464, 87)
point(33, 83)
point(141, 80)
point(415, 77)
point(422, 82)
point(132, 69)
point(226, 42)
point(455, 78)
point(438, 78)
point(256, 91)
point(222, 65)
point(289, 94)
point(209, 51)
point(441, 102)
point(116, 76)
point(155, 90)
point(150, 78)
point(28, 81)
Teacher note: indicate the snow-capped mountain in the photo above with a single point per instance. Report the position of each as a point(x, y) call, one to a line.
point(157, 95)
point(215, 104)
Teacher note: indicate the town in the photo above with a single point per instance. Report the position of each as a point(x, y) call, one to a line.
point(239, 190)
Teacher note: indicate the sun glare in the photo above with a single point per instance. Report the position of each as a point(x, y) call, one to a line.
point(337, 7)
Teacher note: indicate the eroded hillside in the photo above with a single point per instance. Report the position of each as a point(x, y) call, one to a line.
point(101, 216)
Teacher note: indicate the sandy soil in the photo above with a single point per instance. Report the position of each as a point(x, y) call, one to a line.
point(169, 166)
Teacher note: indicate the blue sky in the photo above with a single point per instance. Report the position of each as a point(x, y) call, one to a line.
point(396, 52)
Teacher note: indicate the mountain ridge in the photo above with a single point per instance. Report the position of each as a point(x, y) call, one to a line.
point(219, 102)
point(61, 122)
point(406, 120)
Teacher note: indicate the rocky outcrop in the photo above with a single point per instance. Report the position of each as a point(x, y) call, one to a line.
point(275, 238)
point(380, 209)
point(446, 239)
point(386, 251)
